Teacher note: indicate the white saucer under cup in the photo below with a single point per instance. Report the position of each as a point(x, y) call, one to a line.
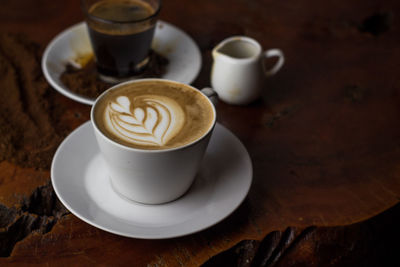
point(178, 47)
point(82, 185)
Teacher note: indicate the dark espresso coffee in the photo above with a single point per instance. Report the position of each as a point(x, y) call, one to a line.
point(121, 32)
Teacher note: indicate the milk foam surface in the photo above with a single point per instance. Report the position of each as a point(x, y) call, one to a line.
point(150, 120)
point(153, 114)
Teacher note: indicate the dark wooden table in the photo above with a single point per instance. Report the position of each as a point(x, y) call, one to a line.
point(324, 140)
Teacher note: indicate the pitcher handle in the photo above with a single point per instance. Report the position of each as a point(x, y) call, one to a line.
point(278, 65)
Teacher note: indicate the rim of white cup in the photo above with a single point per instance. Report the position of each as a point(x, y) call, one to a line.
point(152, 150)
point(244, 39)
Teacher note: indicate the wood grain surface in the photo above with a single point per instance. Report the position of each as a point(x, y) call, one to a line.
point(324, 139)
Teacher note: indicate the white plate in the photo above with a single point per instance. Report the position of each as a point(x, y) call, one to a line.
point(80, 181)
point(182, 52)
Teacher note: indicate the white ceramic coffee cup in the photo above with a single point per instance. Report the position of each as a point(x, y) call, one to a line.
point(152, 176)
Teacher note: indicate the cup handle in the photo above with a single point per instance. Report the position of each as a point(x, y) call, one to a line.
point(211, 94)
point(278, 65)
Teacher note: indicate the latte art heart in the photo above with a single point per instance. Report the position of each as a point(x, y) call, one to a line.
point(146, 120)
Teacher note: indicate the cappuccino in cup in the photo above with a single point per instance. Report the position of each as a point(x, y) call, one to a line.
point(154, 115)
point(152, 134)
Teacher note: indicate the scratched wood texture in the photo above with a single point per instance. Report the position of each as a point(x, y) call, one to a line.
point(324, 138)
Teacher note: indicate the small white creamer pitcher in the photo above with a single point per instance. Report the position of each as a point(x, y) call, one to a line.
point(238, 71)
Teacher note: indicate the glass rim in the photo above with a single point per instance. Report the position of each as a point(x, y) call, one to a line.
point(95, 18)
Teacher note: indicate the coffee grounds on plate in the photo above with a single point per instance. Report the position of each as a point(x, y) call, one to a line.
point(29, 134)
point(85, 81)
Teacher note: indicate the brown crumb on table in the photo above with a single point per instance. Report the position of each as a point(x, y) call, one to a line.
point(85, 81)
point(30, 128)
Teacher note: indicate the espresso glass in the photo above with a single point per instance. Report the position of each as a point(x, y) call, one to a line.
point(121, 33)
